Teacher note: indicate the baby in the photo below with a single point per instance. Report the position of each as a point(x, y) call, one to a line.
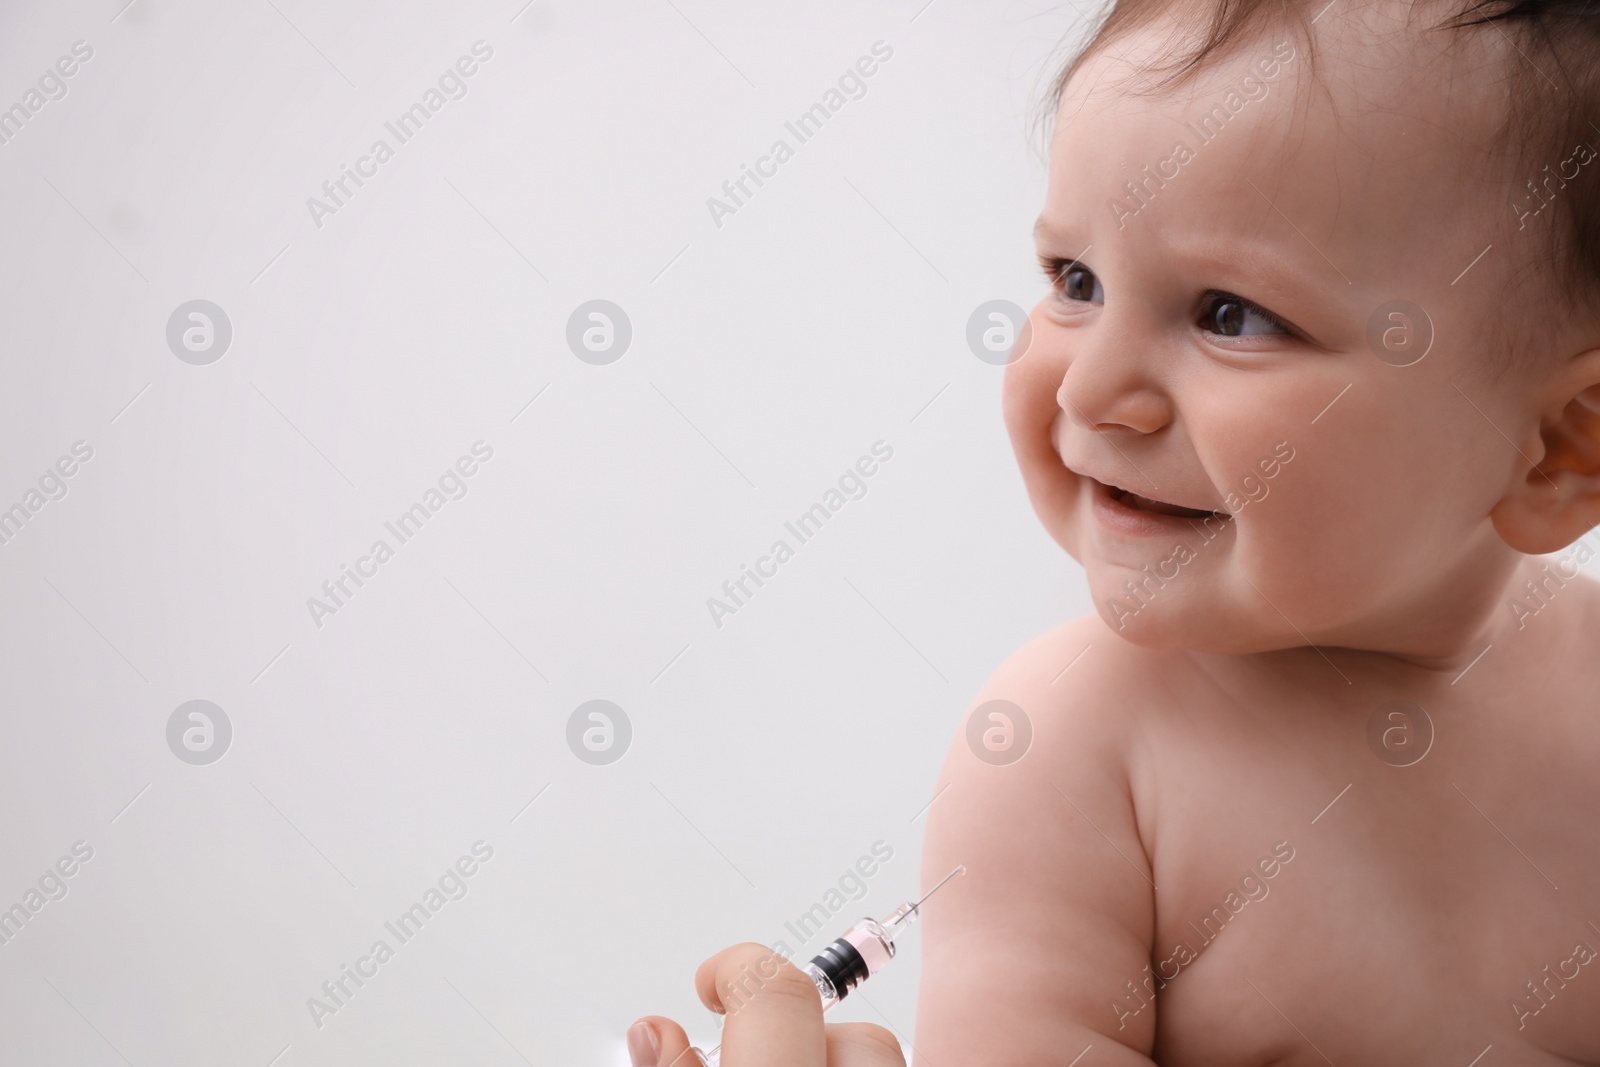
point(1317, 378)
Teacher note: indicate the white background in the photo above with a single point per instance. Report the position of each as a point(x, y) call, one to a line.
point(367, 355)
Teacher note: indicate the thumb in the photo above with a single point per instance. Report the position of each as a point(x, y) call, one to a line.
point(862, 1045)
point(656, 1041)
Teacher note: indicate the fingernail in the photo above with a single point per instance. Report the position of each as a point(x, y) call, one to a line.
point(644, 1045)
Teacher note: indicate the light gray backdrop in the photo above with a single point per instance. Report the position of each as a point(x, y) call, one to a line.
point(374, 341)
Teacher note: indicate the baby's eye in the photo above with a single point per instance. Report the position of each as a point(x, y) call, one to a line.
point(1072, 280)
point(1234, 316)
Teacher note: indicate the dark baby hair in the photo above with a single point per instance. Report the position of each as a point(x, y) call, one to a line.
point(1551, 85)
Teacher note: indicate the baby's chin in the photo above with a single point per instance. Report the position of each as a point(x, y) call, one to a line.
point(1191, 619)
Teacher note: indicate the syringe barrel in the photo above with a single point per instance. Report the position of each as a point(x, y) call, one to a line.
point(862, 951)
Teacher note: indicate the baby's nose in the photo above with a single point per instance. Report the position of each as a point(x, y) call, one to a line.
point(1103, 392)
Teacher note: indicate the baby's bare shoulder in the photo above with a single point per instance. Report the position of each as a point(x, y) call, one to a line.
point(1034, 801)
point(1082, 690)
point(1069, 720)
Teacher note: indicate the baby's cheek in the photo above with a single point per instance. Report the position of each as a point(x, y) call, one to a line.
point(1312, 546)
point(1030, 384)
point(1028, 397)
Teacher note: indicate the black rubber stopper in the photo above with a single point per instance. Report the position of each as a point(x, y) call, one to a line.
point(843, 965)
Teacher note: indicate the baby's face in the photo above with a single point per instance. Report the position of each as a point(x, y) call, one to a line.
point(1211, 345)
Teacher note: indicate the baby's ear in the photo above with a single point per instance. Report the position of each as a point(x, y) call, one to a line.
point(1558, 500)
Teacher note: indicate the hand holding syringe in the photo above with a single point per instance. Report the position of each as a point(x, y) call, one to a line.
point(860, 953)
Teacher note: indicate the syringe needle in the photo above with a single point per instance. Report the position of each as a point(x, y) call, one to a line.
point(960, 869)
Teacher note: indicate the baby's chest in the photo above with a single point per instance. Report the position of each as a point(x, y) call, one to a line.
point(1400, 919)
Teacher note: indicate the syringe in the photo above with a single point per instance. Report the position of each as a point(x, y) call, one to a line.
point(861, 953)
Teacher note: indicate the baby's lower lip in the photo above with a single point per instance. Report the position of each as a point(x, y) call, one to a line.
point(1127, 513)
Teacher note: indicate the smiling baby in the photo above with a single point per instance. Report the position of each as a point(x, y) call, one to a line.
point(1316, 382)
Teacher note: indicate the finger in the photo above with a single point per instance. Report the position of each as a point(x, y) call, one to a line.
point(657, 1041)
point(863, 1045)
point(773, 1009)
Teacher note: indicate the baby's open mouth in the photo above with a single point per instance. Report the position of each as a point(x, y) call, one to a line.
point(1144, 503)
point(1133, 513)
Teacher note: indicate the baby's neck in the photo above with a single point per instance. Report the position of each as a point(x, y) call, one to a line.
point(1515, 620)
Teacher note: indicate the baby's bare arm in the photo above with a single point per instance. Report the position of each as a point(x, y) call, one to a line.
point(1024, 955)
